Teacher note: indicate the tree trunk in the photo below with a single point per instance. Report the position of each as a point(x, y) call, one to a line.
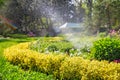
point(108, 18)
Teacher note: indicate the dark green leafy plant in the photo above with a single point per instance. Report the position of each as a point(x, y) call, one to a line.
point(106, 49)
point(52, 48)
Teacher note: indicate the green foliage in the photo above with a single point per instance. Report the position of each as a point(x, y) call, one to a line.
point(76, 68)
point(106, 49)
point(17, 36)
point(102, 34)
point(104, 13)
point(32, 60)
point(10, 72)
point(52, 48)
point(48, 44)
point(61, 66)
point(1, 2)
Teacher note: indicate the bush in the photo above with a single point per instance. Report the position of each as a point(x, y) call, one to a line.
point(28, 59)
point(73, 68)
point(106, 49)
point(76, 68)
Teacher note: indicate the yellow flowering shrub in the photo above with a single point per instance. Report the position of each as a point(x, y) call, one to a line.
point(72, 68)
point(28, 59)
point(76, 68)
point(62, 66)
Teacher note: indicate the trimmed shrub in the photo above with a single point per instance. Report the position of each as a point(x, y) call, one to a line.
point(73, 68)
point(76, 68)
point(33, 60)
point(106, 49)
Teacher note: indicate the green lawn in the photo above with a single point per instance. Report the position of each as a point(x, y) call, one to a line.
point(11, 72)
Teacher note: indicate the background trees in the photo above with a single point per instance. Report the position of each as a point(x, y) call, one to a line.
point(40, 16)
point(105, 14)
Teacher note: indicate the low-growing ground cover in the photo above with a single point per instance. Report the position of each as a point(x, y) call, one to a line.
point(54, 45)
point(12, 72)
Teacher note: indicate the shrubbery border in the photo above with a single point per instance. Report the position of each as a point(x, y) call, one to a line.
point(61, 66)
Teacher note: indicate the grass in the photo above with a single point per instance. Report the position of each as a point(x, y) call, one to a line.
point(11, 72)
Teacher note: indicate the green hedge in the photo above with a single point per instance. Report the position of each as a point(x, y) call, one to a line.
point(106, 49)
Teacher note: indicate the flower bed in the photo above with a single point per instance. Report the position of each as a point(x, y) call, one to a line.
point(61, 66)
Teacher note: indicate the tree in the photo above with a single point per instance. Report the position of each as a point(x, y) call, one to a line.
point(1, 2)
point(80, 10)
point(24, 14)
point(37, 15)
point(106, 13)
point(101, 15)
